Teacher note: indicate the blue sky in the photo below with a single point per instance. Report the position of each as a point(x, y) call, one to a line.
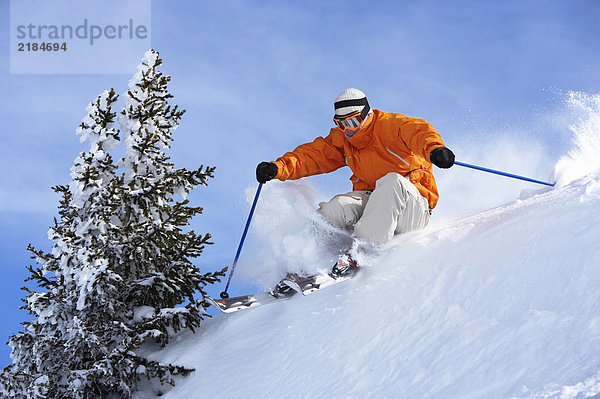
point(258, 78)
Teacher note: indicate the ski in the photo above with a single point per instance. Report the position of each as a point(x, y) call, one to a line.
point(237, 303)
point(304, 285)
point(308, 285)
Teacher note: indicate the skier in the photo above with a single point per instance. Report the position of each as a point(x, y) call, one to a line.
point(390, 156)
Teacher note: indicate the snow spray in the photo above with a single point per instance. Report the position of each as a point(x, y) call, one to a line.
point(583, 158)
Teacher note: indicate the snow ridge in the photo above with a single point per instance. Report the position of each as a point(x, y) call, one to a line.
point(503, 304)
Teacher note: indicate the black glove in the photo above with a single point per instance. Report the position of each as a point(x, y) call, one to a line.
point(265, 171)
point(442, 157)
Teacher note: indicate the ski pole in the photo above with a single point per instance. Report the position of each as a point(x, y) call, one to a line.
point(503, 173)
point(224, 294)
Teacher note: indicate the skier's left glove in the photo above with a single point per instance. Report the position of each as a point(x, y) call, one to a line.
point(442, 157)
point(265, 171)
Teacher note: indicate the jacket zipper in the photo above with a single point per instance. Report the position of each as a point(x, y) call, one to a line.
point(397, 156)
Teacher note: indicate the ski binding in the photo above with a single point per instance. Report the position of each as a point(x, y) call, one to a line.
point(310, 284)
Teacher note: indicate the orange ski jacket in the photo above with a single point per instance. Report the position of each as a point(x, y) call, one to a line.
point(387, 143)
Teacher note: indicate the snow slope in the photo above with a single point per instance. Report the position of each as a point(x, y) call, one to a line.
point(503, 304)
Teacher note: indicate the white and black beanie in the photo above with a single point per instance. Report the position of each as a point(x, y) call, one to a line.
point(351, 100)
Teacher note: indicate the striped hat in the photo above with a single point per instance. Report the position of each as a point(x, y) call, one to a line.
point(351, 100)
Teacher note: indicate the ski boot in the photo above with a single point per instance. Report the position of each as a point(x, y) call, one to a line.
point(344, 266)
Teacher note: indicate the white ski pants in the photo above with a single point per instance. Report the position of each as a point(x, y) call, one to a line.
point(394, 207)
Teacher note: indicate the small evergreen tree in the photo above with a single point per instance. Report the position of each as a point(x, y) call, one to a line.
point(120, 267)
point(162, 275)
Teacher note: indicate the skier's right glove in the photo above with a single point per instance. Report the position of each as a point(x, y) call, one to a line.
point(265, 171)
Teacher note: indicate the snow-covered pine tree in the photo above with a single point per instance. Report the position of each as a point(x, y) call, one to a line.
point(120, 267)
point(54, 356)
point(156, 251)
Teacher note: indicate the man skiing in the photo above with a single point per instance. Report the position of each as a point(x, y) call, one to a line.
point(390, 156)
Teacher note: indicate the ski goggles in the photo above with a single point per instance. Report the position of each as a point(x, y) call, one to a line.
point(353, 119)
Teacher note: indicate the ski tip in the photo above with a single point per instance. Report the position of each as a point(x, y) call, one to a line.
point(217, 303)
